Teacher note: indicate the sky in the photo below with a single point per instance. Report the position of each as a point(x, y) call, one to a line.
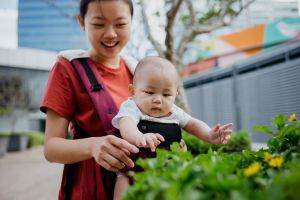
point(8, 23)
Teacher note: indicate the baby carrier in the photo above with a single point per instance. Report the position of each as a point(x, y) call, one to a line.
point(107, 109)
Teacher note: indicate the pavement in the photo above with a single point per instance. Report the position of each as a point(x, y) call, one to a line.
point(27, 175)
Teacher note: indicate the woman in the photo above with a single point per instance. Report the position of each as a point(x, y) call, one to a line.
point(106, 24)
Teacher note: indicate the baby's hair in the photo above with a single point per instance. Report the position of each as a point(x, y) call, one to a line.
point(154, 62)
point(84, 6)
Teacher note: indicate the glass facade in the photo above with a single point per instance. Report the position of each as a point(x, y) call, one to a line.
point(49, 25)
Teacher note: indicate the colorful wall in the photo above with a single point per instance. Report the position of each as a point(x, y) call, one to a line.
point(228, 49)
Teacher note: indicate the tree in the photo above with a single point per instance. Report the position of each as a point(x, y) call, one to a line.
point(13, 98)
point(193, 20)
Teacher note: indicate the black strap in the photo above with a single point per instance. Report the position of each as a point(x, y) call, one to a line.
point(94, 83)
point(72, 168)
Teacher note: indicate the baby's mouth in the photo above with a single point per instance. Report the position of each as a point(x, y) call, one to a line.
point(155, 109)
point(109, 44)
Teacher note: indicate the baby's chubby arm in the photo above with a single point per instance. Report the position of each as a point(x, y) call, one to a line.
point(216, 135)
point(130, 132)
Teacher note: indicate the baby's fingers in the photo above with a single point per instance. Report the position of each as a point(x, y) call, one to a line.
point(226, 139)
point(226, 126)
point(217, 127)
point(160, 137)
point(141, 142)
point(151, 144)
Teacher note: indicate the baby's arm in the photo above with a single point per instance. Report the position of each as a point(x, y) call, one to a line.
point(130, 132)
point(217, 135)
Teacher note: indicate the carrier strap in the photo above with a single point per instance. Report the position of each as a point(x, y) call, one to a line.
point(96, 89)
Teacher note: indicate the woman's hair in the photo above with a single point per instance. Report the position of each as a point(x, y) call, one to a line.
point(84, 6)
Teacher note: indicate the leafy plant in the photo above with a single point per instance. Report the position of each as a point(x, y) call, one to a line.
point(35, 139)
point(263, 174)
point(239, 141)
point(286, 137)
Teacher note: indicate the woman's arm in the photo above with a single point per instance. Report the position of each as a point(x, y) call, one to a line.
point(109, 151)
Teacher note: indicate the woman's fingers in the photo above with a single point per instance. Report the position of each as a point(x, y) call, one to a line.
point(111, 163)
point(122, 144)
point(113, 153)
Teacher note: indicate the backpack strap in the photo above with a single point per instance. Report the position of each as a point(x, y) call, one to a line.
point(97, 91)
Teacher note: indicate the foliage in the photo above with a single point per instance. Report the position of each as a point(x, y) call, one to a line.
point(286, 138)
point(35, 139)
point(4, 134)
point(263, 174)
point(239, 141)
point(13, 96)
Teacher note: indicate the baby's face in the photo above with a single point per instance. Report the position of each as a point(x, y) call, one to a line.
point(155, 92)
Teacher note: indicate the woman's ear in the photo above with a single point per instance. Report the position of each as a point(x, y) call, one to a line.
point(80, 21)
point(131, 89)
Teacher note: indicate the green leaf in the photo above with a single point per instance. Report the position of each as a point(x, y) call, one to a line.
point(263, 129)
point(279, 121)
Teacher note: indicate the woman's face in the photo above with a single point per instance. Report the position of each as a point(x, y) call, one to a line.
point(107, 25)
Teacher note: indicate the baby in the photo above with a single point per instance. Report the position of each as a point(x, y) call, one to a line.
point(154, 89)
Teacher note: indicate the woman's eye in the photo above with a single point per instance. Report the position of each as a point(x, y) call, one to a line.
point(121, 25)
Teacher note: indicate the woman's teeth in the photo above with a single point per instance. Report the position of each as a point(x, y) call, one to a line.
point(109, 45)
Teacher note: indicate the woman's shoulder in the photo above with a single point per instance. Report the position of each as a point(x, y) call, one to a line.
point(130, 62)
point(73, 54)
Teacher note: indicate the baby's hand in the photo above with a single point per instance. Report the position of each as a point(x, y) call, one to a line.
point(220, 134)
point(149, 140)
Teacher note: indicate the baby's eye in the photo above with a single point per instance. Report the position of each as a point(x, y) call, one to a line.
point(167, 95)
point(149, 92)
point(99, 25)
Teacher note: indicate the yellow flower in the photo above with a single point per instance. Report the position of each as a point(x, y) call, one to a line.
point(252, 169)
point(293, 117)
point(276, 161)
point(268, 156)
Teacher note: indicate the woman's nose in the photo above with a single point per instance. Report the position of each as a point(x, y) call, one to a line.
point(110, 33)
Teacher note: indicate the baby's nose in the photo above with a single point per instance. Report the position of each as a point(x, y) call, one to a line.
point(157, 99)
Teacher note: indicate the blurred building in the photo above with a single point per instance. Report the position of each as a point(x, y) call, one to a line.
point(262, 12)
point(29, 68)
point(49, 25)
point(229, 49)
point(249, 92)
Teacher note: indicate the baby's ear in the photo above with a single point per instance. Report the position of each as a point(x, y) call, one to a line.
point(131, 89)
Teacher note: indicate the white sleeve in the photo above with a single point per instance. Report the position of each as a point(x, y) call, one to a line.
point(128, 109)
point(181, 115)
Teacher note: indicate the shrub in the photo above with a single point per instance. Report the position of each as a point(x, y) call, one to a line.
point(35, 139)
point(239, 141)
point(264, 174)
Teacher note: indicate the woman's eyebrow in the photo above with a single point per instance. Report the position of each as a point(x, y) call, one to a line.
point(103, 18)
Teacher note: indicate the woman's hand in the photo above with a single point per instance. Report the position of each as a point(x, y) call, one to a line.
point(112, 152)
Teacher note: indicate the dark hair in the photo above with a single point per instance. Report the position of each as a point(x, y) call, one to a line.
point(84, 6)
